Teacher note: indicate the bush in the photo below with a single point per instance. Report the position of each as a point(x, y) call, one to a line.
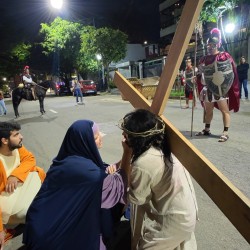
point(177, 93)
point(111, 85)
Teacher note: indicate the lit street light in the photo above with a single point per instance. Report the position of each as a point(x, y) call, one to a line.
point(229, 28)
point(99, 57)
point(57, 4)
point(100, 72)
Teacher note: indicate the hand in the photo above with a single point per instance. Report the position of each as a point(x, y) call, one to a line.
point(125, 146)
point(111, 169)
point(1, 239)
point(11, 185)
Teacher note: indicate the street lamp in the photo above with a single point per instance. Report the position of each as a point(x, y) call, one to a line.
point(229, 27)
point(99, 57)
point(100, 72)
point(57, 4)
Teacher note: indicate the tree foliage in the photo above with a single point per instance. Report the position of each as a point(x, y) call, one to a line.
point(78, 45)
point(108, 42)
point(21, 51)
point(212, 9)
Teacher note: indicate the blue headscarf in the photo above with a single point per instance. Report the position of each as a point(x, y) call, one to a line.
point(66, 212)
point(79, 141)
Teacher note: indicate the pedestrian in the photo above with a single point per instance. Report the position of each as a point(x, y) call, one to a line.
point(161, 195)
point(242, 70)
point(189, 74)
point(20, 179)
point(218, 85)
point(73, 207)
point(77, 90)
point(3, 110)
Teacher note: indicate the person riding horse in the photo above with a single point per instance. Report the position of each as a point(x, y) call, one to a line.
point(28, 82)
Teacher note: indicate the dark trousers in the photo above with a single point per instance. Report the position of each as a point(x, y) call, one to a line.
point(243, 82)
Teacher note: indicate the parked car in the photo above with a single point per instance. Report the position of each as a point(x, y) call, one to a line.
point(6, 94)
point(88, 87)
point(64, 90)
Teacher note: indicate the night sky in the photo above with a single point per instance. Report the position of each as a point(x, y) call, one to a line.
point(138, 18)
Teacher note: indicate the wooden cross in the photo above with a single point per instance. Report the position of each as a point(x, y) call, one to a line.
point(234, 204)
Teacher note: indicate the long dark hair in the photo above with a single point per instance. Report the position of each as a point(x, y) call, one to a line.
point(140, 121)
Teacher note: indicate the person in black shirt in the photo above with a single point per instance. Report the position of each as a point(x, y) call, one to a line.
point(242, 70)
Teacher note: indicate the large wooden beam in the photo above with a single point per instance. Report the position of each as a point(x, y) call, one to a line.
point(226, 196)
point(131, 93)
point(230, 200)
point(176, 53)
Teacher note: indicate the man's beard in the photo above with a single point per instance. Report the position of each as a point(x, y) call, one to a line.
point(14, 146)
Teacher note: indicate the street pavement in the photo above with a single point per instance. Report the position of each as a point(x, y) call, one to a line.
point(43, 136)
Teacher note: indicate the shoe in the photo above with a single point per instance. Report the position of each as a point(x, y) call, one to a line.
point(5, 113)
point(203, 132)
point(223, 138)
point(186, 107)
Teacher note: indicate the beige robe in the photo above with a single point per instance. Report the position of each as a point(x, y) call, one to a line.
point(14, 206)
point(163, 205)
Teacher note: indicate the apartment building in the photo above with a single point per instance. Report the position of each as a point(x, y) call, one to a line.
point(170, 13)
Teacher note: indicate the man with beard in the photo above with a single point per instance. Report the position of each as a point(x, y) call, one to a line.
point(218, 85)
point(20, 179)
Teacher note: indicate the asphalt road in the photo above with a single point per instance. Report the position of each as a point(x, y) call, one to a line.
point(44, 134)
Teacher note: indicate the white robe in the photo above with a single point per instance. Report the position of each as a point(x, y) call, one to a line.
point(14, 206)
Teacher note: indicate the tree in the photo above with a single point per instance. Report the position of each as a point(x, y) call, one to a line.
point(213, 12)
point(21, 52)
point(77, 45)
point(237, 11)
point(62, 38)
point(109, 43)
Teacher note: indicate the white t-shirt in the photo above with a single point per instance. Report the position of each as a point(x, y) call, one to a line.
point(27, 79)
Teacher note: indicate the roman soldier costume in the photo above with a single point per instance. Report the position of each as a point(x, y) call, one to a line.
point(219, 76)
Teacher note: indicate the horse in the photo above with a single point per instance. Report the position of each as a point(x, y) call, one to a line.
point(40, 90)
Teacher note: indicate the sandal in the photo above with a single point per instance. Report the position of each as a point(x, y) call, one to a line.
point(203, 132)
point(223, 138)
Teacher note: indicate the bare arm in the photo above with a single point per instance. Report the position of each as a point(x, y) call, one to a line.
point(125, 163)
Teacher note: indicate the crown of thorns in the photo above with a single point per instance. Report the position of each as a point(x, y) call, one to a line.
point(153, 131)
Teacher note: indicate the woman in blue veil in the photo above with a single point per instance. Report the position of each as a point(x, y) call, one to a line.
point(67, 212)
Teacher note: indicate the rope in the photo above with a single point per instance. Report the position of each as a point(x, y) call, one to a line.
point(40, 86)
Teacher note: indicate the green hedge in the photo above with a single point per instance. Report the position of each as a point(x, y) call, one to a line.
point(175, 93)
